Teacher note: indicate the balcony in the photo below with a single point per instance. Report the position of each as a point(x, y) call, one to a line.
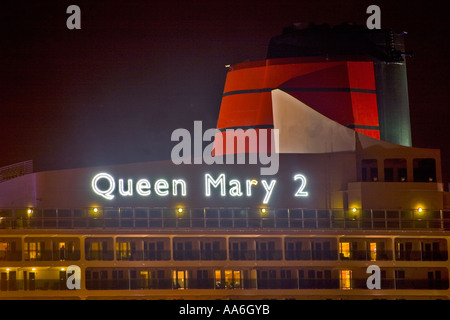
point(31, 285)
point(365, 255)
point(223, 218)
point(211, 283)
point(255, 255)
point(50, 255)
point(421, 255)
point(101, 255)
point(11, 256)
point(139, 255)
point(311, 255)
point(203, 255)
point(404, 284)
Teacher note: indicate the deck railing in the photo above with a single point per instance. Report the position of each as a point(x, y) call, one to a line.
point(16, 170)
point(222, 218)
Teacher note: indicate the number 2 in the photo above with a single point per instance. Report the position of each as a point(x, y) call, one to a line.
point(300, 192)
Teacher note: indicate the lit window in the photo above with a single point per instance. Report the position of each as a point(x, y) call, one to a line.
point(228, 278)
point(32, 250)
point(218, 279)
point(62, 250)
point(231, 279)
point(144, 279)
point(373, 251)
point(123, 250)
point(346, 278)
point(345, 250)
point(179, 279)
point(95, 250)
point(3, 250)
point(236, 279)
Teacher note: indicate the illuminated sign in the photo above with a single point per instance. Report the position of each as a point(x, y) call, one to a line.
point(104, 185)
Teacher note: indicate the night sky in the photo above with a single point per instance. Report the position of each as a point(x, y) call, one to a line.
point(114, 91)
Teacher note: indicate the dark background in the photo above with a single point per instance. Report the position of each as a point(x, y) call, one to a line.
point(114, 91)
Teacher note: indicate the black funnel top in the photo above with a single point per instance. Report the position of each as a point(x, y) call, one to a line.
point(341, 40)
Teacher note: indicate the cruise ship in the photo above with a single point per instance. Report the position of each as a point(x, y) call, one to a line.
point(349, 192)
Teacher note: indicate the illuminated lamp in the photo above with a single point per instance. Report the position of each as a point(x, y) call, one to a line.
point(354, 210)
point(263, 210)
point(30, 211)
point(7, 269)
point(419, 209)
point(63, 269)
point(95, 210)
point(180, 210)
point(33, 269)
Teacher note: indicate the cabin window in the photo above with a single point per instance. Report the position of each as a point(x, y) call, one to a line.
point(369, 170)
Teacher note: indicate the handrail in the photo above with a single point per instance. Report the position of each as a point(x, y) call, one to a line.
point(221, 218)
point(16, 170)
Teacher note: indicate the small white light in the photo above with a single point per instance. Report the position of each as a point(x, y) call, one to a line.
point(419, 209)
point(354, 209)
